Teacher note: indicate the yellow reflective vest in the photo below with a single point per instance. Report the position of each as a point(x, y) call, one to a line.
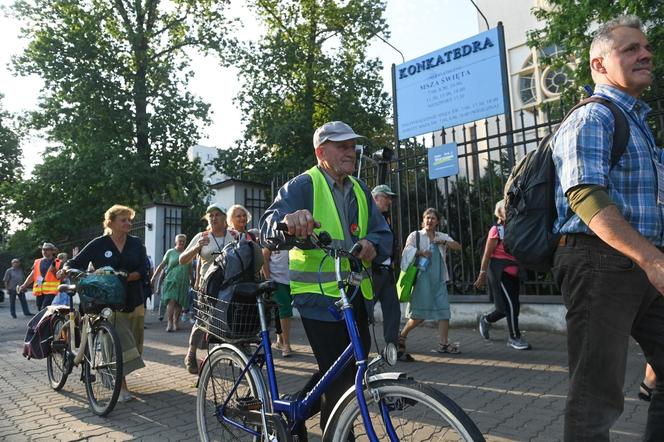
point(45, 284)
point(304, 265)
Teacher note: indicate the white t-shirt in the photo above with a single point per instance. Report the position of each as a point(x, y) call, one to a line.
point(279, 266)
point(216, 244)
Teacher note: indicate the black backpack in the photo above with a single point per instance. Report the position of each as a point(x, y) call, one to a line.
point(227, 309)
point(239, 261)
point(530, 206)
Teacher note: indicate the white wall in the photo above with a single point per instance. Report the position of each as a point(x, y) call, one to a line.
point(206, 154)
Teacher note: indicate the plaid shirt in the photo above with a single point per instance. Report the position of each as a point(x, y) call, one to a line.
point(582, 151)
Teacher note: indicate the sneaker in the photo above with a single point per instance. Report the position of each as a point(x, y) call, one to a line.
point(286, 352)
point(190, 363)
point(518, 344)
point(483, 327)
point(449, 348)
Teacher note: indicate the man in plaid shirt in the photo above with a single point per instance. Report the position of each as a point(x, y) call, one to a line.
point(608, 265)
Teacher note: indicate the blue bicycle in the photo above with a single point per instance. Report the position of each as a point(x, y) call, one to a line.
point(234, 402)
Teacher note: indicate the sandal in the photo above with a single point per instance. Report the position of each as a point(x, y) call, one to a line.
point(448, 348)
point(645, 392)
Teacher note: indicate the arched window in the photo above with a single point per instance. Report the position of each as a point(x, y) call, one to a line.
point(552, 81)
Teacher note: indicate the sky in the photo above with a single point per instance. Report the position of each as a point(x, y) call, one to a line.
point(417, 27)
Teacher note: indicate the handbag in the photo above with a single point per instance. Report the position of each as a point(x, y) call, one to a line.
point(408, 278)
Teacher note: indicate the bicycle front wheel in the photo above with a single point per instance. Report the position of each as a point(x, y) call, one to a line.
point(103, 369)
point(415, 411)
point(57, 363)
point(219, 374)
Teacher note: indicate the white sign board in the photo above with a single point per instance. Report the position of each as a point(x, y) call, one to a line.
point(451, 86)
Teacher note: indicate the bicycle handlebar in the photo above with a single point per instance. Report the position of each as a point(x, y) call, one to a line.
point(322, 240)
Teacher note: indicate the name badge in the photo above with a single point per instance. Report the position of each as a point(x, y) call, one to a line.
point(660, 182)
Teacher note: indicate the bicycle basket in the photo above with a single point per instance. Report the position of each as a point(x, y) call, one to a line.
point(232, 315)
point(100, 291)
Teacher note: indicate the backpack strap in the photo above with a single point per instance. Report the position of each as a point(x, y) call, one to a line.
point(621, 131)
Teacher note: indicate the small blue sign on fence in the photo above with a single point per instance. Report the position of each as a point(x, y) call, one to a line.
point(443, 161)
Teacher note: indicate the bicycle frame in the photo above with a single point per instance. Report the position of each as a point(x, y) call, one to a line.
point(299, 410)
point(79, 353)
point(86, 334)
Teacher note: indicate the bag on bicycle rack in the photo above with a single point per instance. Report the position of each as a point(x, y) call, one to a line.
point(99, 291)
point(37, 342)
point(228, 309)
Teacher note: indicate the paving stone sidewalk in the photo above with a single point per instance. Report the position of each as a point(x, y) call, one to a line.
point(511, 395)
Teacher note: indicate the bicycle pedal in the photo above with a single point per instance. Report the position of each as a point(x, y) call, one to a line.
point(248, 404)
point(93, 378)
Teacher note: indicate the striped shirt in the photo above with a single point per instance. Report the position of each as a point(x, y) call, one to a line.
point(581, 153)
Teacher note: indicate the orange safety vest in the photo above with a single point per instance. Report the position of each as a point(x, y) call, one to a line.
point(49, 284)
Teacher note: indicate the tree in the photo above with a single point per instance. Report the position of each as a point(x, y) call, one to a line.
point(115, 104)
point(568, 23)
point(10, 167)
point(310, 67)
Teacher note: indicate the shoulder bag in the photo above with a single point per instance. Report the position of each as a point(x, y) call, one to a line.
point(408, 277)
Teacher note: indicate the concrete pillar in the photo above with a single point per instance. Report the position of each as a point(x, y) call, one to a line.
point(162, 222)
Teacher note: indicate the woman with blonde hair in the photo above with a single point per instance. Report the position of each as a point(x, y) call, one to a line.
point(126, 253)
point(238, 220)
point(205, 245)
point(175, 287)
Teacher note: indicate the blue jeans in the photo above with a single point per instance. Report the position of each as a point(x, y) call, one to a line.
point(608, 298)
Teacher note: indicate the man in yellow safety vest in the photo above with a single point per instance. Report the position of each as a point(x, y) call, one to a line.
point(42, 277)
point(326, 197)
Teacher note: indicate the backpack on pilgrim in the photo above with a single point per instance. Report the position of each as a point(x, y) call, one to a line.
point(227, 311)
point(530, 206)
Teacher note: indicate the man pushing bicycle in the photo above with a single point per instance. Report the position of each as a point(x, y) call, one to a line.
point(328, 198)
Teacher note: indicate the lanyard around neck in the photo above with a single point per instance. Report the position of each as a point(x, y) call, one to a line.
point(223, 243)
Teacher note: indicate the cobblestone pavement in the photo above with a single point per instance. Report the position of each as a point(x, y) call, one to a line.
point(511, 395)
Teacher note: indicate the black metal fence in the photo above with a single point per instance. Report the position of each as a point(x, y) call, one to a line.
point(487, 150)
point(255, 201)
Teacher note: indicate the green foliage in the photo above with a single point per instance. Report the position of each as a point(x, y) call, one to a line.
point(115, 105)
point(10, 167)
point(310, 67)
point(568, 23)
